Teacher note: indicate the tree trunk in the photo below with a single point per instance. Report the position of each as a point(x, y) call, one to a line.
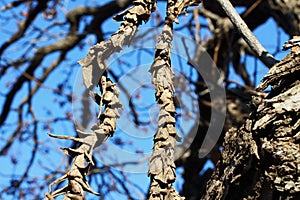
point(261, 159)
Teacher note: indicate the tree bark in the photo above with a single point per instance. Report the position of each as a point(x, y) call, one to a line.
point(261, 159)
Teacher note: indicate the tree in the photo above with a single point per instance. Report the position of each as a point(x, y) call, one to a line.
point(260, 137)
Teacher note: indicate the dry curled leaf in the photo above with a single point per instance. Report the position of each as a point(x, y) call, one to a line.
point(94, 75)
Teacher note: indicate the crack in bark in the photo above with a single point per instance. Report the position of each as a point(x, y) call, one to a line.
point(264, 153)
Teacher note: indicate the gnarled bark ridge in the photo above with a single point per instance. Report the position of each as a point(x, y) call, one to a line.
point(261, 159)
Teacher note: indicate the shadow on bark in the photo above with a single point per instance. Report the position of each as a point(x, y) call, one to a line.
point(261, 159)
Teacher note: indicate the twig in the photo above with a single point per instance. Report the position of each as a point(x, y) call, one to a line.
point(247, 34)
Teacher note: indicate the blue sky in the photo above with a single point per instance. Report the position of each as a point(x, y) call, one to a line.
point(43, 101)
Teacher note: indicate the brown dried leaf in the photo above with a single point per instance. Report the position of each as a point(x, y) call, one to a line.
point(108, 96)
point(156, 165)
point(97, 129)
point(161, 134)
point(111, 113)
point(166, 96)
point(72, 152)
point(166, 119)
point(171, 129)
point(171, 107)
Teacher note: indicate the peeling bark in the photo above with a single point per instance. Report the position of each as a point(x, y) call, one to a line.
point(261, 159)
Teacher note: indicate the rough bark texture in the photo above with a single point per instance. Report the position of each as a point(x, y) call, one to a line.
point(261, 159)
point(287, 14)
point(26, 70)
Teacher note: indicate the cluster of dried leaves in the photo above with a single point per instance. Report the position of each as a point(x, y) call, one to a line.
point(94, 75)
point(266, 146)
point(265, 153)
point(162, 166)
point(82, 156)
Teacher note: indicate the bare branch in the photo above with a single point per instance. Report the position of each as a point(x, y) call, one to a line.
point(247, 34)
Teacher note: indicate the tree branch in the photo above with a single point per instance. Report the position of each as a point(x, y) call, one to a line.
point(247, 34)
